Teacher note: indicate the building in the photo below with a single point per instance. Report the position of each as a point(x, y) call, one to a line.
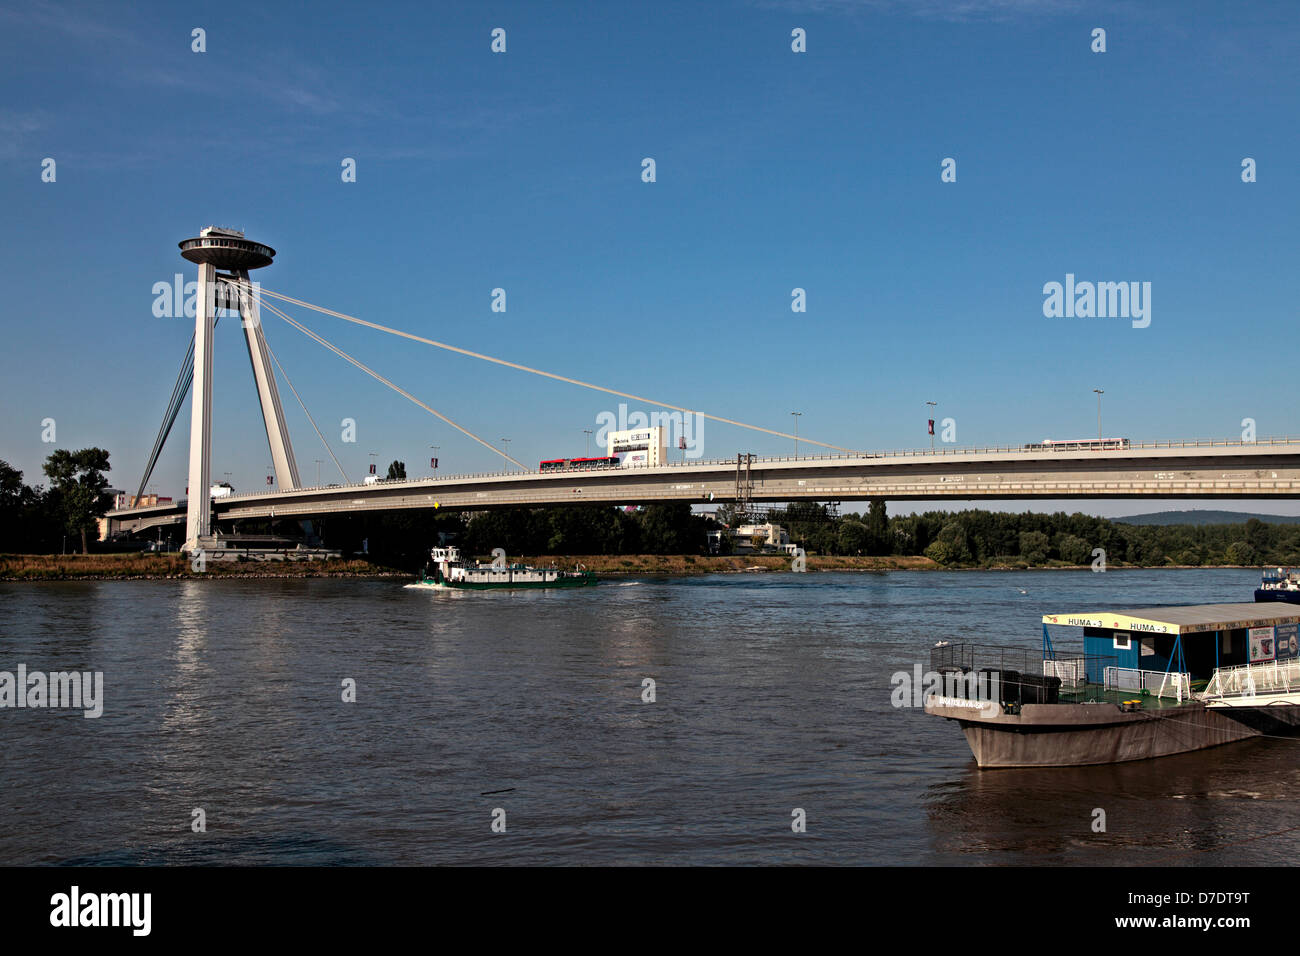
point(639, 446)
point(754, 539)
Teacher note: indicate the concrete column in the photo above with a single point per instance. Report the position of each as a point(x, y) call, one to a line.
point(198, 518)
point(277, 433)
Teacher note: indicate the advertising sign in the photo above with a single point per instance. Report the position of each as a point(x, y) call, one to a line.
point(1261, 644)
point(1287, 647)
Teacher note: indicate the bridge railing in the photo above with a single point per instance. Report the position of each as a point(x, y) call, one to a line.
point(937, 452)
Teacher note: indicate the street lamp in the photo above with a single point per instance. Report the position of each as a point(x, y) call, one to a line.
point(587, 432)
point(433, 459)
point(505, 446)
point(317, 460)
point(372, 461)
point(796, 432)
point(934, 406)
point(1099, 392)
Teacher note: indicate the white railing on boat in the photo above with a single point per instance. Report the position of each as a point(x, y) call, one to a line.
point(1249, 680)
point(1158, 683)
point(1072, 671)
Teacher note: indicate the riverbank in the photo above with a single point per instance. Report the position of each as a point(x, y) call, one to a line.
point(115, 567)
point(620, 565)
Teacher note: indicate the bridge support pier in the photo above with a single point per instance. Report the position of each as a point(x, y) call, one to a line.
point(198, 516)
point(227, 249)
point(277, 433)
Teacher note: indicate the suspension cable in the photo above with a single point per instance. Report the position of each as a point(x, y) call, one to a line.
point(401, 391)
point(308, 414)
point(180, 389)
point(552, 375)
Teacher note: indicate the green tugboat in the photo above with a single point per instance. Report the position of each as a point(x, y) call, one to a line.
point(448, 571)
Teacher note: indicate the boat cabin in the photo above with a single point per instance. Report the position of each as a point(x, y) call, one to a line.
point(1182, 647)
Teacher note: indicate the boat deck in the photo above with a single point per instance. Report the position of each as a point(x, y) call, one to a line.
point(1092, 693)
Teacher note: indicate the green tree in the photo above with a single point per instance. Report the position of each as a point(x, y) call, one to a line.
point(1073, 549)
point(397, 470)
point(854, 538)
point(78, 477)
point(879, 540)
point(954, 536)
point(1239, 552)
point(1033, 546)
point(941, 552)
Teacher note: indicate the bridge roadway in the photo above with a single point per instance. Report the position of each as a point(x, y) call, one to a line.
point(1266, 469)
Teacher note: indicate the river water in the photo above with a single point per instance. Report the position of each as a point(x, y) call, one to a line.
point(772, 693)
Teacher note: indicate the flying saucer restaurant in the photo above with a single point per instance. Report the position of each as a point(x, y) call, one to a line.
point(1142, 648)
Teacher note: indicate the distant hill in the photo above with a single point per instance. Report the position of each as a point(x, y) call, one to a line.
point(1205, 517)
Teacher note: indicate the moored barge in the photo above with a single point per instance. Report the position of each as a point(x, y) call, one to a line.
point(1149, 683)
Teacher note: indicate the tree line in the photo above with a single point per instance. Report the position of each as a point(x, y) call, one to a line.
point(36, 519)
point(975, 538)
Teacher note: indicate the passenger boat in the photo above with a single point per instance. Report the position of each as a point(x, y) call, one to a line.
point(1280, 585)
point(1148, 683)
point(448, 570)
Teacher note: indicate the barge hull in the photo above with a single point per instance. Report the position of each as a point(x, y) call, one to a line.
point(1077, 735)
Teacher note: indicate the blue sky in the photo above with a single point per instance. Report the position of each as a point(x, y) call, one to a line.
point(775, 170)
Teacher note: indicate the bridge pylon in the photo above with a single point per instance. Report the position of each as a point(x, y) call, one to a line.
point(229, 250)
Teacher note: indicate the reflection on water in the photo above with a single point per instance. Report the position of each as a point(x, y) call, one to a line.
point(772, 692)
point(1219, 806)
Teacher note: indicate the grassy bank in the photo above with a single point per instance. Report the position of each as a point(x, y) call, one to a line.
point(108, 567)
point(637, 564)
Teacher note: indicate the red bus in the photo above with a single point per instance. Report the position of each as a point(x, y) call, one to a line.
point(577, 464)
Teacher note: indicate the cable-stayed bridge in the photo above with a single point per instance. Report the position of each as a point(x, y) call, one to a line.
point(1159, 470)
point(1263, 469)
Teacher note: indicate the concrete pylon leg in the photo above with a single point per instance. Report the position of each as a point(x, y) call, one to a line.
point(277, 433)
point(198, 517)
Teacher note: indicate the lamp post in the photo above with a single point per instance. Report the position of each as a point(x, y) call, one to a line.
point(1099, 392)
point(505, 446)
point(372, 461)
point(587, 432)
point(934, 406)
point(433, 459)
point(796, 432)
point(318, 461)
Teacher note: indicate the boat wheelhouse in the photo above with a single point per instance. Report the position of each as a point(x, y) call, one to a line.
point(1145, 683)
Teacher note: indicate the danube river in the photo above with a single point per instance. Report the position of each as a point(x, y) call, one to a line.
point(527, 709)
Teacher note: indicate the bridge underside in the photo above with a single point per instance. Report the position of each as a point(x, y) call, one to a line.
point(1222, 472)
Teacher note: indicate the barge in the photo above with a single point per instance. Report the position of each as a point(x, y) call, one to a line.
point(447, 570)
point(1149, 683)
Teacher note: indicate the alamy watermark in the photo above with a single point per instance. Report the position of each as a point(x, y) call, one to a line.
point(685, 429)
point(56, 689)
point(1102, 300)
point(977, 690)
point(178, 298)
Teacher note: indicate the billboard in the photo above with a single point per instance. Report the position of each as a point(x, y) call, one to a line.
point(1261, 644)
point(650, 445)
point(1287, 647)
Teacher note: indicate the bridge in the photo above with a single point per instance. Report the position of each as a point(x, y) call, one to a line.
point(1263, 469)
